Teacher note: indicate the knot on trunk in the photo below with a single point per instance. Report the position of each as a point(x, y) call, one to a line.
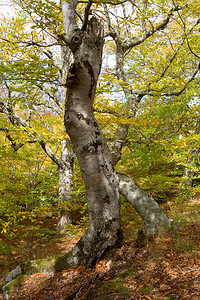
point(72, 78)
point(74, 39)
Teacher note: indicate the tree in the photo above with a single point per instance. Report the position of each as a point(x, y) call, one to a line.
point(65, 161)
point(79, 120)
point(89, 144)
point(86, 42)
point(27, 100)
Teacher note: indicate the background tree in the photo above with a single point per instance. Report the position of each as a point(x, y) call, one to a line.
point(30, 98)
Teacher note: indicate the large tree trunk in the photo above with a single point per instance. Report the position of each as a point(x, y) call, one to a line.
point(89, 143)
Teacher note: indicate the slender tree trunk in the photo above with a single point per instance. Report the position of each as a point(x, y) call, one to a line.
point(90, 146)
point(65, 187)
point(152, 215)
point(65, 167)
point(189, 173)
point(66, 159)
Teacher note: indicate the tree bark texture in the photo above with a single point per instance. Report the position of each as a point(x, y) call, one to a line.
point(65, 187)
point(152, 215)
point(90, 146)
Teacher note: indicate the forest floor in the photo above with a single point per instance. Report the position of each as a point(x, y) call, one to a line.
point(166, 267)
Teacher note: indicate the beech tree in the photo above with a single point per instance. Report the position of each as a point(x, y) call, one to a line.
point(89, 144)
point(27, 101)
point(152, 222)
point(95, 160)
point(84, 36)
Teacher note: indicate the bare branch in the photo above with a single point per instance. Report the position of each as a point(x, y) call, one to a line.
point(51, 95)
point(171, 60)
point(86, 15)
point(130, 43)
point(175, 54)
point(29, 43)
point(107, 2)
point(114, 113)
point(18, 121)
point(111, 32)
point(14, 145)
point(178, 93)
point(49, 152)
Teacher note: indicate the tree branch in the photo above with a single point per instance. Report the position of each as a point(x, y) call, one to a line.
point(137, 41)
point(49, 152)
point(69, 18)
point(17, 121)
point(171, 60)
point(51, 95)
point(14, 145)
point(86, 15)
point(178, 93)
point(114, 113)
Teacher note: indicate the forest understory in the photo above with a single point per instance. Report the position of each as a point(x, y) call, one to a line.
point(163, 267)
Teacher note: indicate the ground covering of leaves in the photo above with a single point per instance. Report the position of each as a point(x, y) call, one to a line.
point(166, 267)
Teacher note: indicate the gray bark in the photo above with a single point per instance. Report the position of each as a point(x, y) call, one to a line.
point(66, 160)
point(65, 56)
point(89, 144)
point(152, 215)
point(189, 173)
point(65, 187)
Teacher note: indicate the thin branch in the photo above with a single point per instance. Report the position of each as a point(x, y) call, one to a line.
point(49, 152)
point(114, 113)
point(175, 54)
point(107, 2)
point(86, 15)
point(29, 43)
point(178, 93)
point(171, 60)
point(186, 35)
point(17, 121)
point(14, 145)
point(51, 95)
point(112, 33)
point(137, 41)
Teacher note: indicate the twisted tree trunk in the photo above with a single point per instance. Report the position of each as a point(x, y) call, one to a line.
point(89, 143)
